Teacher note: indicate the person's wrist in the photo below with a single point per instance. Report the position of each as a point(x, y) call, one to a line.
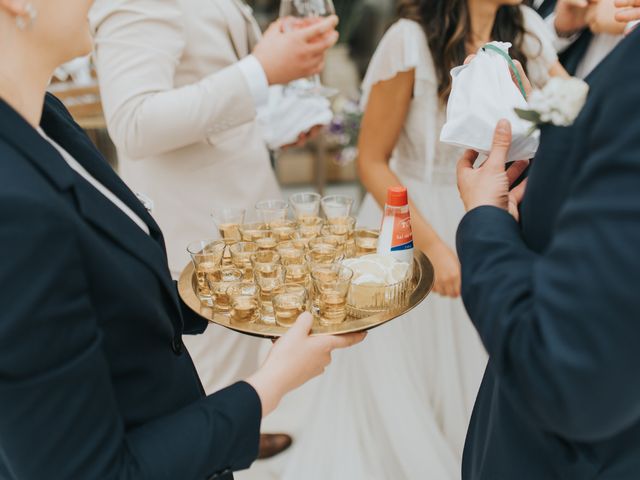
point(269, 386)
point(568, 27)
point(265, 66)
point(432, 245)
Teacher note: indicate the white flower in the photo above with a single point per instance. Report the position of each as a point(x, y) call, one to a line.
point(558, 103)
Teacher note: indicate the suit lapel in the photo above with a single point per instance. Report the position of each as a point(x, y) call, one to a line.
point(572, 57)
point(546, 8)
point(83, 150)
point(94, 207)
point(241, 27)
point(253, 29)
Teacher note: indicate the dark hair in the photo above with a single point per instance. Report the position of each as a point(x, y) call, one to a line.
point(447, 24)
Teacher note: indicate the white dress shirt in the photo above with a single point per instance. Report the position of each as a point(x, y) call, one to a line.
point(73, 163)
point(601, 45)
point(256, 78)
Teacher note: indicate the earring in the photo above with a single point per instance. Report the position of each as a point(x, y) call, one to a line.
point(25, 21)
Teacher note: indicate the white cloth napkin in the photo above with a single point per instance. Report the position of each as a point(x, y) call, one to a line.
point(287, 115)
point(482, 94)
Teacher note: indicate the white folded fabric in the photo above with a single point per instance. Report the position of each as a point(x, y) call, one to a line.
point(288, 114)
point(482, 94)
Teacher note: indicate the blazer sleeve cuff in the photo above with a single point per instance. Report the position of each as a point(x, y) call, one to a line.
point(244, 407)
point(481, 223)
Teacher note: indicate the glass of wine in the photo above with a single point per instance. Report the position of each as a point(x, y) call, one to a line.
point(301, 12)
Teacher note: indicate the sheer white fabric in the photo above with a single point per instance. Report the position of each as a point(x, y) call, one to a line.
point(398, 406)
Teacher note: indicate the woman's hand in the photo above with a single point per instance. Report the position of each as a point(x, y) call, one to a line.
point(295, 359)
point(447, 269)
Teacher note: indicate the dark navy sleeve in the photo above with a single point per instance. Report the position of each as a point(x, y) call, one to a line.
point(562, 326)
point(59, 417)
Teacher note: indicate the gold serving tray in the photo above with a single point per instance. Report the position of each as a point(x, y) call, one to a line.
point(422, 283)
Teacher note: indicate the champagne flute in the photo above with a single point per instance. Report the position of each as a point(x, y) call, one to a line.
point(303, 11)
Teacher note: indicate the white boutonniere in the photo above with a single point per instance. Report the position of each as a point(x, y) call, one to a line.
point(559, 103)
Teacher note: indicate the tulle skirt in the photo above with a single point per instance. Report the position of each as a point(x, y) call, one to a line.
point(398, 405)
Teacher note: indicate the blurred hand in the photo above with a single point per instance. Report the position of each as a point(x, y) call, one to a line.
point(570, 16)
point(304, 137)
point(631, 11)
point(601, 18)
point(447, 270)
point(489, 184)
point(295, 359)
point(289, 55)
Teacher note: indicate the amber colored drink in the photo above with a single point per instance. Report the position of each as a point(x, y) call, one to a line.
point(366, 246)
point(203, 271)
point(288, 308)
point(244, 310)
point(266, 243)
point(333, 307)
point(230, 233)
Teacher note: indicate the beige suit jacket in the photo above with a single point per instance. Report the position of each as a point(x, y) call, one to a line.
point(183, 120)
point(180, 110)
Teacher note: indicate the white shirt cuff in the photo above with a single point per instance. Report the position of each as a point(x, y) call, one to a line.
point(256, 79)
point(559, 43)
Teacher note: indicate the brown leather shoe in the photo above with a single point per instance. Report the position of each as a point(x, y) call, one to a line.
point(272, 444)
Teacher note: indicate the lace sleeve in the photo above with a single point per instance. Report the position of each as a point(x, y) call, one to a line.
point(404, 47)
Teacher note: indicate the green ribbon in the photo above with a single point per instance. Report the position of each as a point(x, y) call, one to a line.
point(512, 65)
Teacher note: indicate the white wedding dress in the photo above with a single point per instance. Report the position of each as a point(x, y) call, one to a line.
point(397, 406)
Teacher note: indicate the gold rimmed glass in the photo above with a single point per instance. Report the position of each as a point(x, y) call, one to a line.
point(283, 230)
point(228, 221)
point(299, 274)
point(305, 205)
point(206, 256)
point(338, 241)
point(251, 232)
point(323, 253)
point(331, 287)
point(310, 227)
point(268, 281)
point(291, 253)
point(272, 211)
point(366, 241)
point(336, 206)
point(265, 261)
point(241, 253)
point(244, 299)
point(289, 302)
point(340, 225)
point(219, 282)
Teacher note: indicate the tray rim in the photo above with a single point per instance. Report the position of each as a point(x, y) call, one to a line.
point(418, 295)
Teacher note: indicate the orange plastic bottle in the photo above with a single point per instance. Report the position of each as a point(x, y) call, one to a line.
point(396, 237)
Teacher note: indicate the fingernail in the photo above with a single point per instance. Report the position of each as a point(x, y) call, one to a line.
point(503, 126)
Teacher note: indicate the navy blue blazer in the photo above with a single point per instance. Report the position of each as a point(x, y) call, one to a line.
point(556, 299)
point(94, 380)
